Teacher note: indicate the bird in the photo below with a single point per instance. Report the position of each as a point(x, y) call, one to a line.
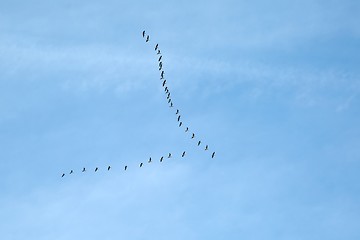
point(147, 38)
point(166, 89)
point(96, 169)
point(149, 160)
point(183, 154)
point(193, 135)
point(168, 95)
point(164, 82)
point(143, 33)
point(180, 124)
point(156, 46)
point(169, 156)
point(83, 170)
point(171, 104)
point(199, 143)
point(187, 129)
point(169, 100)
point(159, 58)
point(162, 74)
point(71, 172)
point(141, 164)
point(161, 159)
point(213, 155)
point(125, 168)
point(109, 168)
point(63, 175)
point(177, 111)
point(179, 117)
point(206, 147)
point(158, 52)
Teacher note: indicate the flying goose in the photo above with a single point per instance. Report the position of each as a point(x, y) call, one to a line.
point(71, 172)
point(149, 160)
point(193, 135)
point(166, 89)
point(147, 38)
point(63, 175)
point(179, 117)
point(213, 154)
point(183, 154)
point(109, 168)
point(160, 58)
point(125, 168)
point(168, 95)
point(199, 143)
point(180, 124)
point(96, 169)
point(169, 156)
point(171, 104)
point(158, 52)
point(206, 148)
point(141, 164)
point(169, 100)
point(161, 159)
point(83, 170)
point(156, 47)
point(177, 111)
point(164, 82)
point(187, 129)
point(144, 33)
point(160, 64)
point(162, 74)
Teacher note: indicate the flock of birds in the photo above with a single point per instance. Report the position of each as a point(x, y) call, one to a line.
point(171, 105)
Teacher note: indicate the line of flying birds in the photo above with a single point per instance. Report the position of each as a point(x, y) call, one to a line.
point(171, 105)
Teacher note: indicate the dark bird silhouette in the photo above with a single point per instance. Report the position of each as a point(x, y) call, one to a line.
point(96, 169)
point(109, 168)
point(169, 156)
point(183, 154)
point(206, 147)
point(199, 142)
point(213, 155)
point(161, 159)
point(171, 104)
point(164, 82)
point(168, 95)
point(144, 33)
point(147, 38)
point(169, 100)
point(158, 52)
point(149, 160)
point(156, 46)
point(141, 164)
point(180, 124)
point(83, 170)
point(71, 172)
point(159, 58)
point(166, 89)
point(63, 175)
point(187, 129)
point(177, 111)
point(162, 74)
point(160, 64)
point(125, 168)
point(193, 135)
point(179, 117)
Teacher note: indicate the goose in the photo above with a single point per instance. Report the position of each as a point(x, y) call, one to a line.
point(199, 143)
point(149, 160)
point(147, 38)
point(187, 129)
point(180, 124)
point(177, 111)
point(125, 168)
point(141, 164)
point(183, 154)
point(143, 33)
point(162, 74)
point(169, 100)
point(161, 159)
point(166, 89)
point(63, 175)
point(179, 117)
point(193, 135)
point(171, 104)
point(213, 155)
point(206, 147)
point(158, 52)
point(71, 172)
point(168, 95)
point(96, 169)
point(169, 156)
point(83, 170)
point(159, 58)
point(164, 82)
point(160, 64)
point(109, 168)
point(156, 47)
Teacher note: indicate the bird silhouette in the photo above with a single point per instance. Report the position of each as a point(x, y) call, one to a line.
point(158, 52)
point(156, 46)
point(162, 74)
point(149, 160)
point(161, 159)
point(193, 135)
point(180, 124)
point(125, 168)
point(183, 154)
point(169, 100)
point(177, 111)
point(171, 104)
point(83, 170)
point(187, 129)
point(109, 168)
point(143, 33)
point(213, 155)
point(71, 172)
point(63, 175)
point(96, 169)
point(166, 89)
point(179, 117)
point(199, 142)
point(160, 64)
point(169, 156)
point(206, 147)
point(141, 164)
point(159, 58)
point(147, 38)
point(164, 82)
point(168, 95)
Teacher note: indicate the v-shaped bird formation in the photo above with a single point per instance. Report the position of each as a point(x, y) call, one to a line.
point(171, 105)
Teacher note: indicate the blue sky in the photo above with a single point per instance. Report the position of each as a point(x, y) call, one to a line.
point(271, 86)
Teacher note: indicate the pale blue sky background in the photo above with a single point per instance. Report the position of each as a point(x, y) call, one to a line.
point(272, 86)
